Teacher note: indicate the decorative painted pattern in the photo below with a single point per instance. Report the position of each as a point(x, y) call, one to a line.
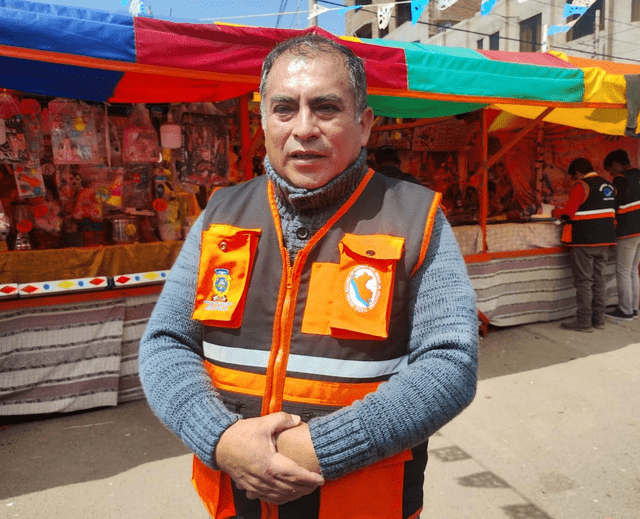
point(62, 285)
point(156, 276)
point(8, 290)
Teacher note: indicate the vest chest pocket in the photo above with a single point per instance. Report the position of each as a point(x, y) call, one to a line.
point(352, 299)
point(226, 260)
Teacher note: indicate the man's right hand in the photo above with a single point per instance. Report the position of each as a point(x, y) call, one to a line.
point(247, 452)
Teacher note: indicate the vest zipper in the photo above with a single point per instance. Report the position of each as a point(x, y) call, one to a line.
point(286, 326)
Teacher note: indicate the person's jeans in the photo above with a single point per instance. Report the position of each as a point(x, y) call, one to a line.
point(627, 260)
point(588, 264)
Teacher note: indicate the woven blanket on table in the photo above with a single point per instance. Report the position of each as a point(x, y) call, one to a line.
point(527, 289)
point(137, 313)
point(60, 359)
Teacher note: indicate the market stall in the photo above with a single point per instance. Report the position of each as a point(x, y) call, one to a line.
point(518, 266)
point(116, 129)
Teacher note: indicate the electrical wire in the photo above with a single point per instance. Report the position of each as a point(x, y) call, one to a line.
point(295, 17)
point(283, 6)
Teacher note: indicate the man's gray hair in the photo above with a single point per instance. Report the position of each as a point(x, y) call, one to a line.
point(310, 45)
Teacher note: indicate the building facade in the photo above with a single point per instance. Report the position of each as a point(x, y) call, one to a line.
point(610, 29)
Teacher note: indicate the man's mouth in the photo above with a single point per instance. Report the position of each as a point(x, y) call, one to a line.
point(305, 156)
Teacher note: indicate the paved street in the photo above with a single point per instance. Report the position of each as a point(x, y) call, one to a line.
point(552, 433)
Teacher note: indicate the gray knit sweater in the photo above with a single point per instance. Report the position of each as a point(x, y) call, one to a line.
point(439, 382)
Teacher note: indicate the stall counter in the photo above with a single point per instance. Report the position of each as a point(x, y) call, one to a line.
point(75, 348)
point(31, 266)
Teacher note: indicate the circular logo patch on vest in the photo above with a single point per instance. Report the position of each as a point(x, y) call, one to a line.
point(362, 288)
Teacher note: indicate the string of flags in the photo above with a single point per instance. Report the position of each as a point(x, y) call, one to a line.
point(317, 10)
point(578, 7)
point(137, 8)
point(384, 15)
point(385, 10)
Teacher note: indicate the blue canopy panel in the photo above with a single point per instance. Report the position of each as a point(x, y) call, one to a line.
point(53, 79)
point(67, 30)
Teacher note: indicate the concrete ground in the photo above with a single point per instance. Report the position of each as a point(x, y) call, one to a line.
point(553, 433)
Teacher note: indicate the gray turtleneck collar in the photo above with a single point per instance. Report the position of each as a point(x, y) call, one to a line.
point(304, 211)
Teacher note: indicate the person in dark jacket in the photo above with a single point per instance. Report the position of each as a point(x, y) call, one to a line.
point(589, 231)
point(388, 163)
point(626, 181)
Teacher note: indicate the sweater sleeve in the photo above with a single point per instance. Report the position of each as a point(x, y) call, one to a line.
point(577, 195)
point(175, 381)
point(439, 382)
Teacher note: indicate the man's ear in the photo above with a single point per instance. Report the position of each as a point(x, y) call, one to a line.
point(366, 122)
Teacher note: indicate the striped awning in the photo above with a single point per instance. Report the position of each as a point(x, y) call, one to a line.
point(101, 56)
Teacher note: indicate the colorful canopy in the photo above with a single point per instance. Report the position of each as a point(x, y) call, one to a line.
point(100, 56)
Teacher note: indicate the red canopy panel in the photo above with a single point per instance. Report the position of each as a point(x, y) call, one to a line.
point(236, 53)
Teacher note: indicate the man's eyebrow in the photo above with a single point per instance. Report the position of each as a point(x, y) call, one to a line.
point(281, 98)
point(328, 98)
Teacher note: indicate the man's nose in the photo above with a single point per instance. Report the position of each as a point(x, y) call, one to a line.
point(305, 125)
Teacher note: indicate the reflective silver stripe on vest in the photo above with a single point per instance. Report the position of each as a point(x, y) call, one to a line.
point(597, 211)
point(306, 364)
point(632, 204)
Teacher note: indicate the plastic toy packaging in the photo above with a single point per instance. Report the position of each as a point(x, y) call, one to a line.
point(29, 179)
point(73, 132)
point(13, 145)
point(5, 228)
point(206, 142)
point(140, 139)
point(137, 186)
point(46, 215)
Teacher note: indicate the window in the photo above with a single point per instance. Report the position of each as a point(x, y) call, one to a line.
point(403, 13)
point(531, 33)
point(635, 10)
point(364, 31)
point(363, 2)
point(586, 23)
point(384, 32)
point(480, 44)
point(494, 41)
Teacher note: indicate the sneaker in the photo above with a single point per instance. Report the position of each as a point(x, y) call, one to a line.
point(635, 314)
point(574, 325)
point(619, 315)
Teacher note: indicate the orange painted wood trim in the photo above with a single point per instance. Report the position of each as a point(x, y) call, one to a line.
point(79, 297)
point(486, 99)
point(121, 66)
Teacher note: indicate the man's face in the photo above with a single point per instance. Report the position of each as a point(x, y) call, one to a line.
point(310, 126)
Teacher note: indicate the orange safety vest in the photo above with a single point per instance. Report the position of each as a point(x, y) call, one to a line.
point(593, 223)
point(337, 324)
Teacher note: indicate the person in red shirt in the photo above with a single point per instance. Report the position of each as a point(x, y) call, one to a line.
point(589, 230)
